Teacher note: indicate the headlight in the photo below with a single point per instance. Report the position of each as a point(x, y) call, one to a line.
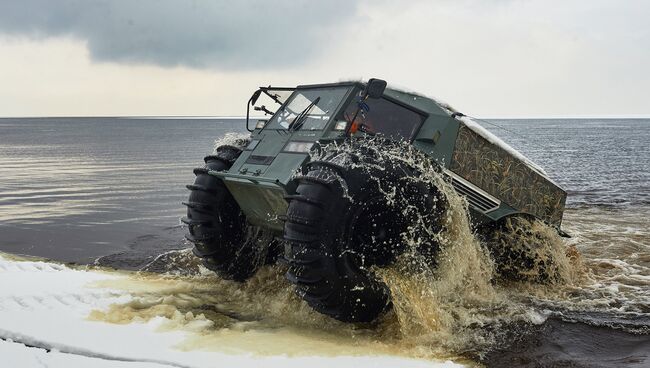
point(341, 125)
point(260, 124)
point(298, 146)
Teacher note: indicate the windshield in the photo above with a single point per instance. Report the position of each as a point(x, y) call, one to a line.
point(324, 103)
point(278, 94)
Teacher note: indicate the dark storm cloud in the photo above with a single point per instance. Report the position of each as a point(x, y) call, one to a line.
point(217, 33)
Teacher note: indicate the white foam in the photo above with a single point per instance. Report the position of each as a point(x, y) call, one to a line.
point(231, 139)
point(536, 317)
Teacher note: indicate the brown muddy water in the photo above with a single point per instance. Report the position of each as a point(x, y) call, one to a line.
point(107, 191)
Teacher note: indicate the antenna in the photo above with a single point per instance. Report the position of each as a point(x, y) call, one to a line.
point(497, 125)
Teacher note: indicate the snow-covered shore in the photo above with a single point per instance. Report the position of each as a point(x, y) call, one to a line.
point(44, 309)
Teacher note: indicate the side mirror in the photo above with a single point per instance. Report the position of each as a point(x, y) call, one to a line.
point(375, 88)
point(255, 96)
point(251, 101)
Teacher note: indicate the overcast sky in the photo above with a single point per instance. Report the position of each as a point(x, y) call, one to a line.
point(499, 58)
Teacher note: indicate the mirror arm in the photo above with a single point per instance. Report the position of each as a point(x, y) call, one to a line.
point(248, 108)
point(263, 108)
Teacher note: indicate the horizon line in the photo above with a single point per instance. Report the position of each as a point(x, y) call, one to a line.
point(232, 117)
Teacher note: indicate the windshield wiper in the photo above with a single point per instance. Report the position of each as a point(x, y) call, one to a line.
point(298, 121)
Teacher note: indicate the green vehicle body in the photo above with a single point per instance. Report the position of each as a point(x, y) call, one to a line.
point(497, 182)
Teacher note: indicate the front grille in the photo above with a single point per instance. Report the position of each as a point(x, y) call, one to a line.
point(475, 196)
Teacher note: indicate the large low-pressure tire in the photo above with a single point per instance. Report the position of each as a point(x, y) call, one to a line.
point(217, 227)
point(338, 226)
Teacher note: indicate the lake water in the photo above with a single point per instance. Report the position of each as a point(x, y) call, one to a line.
point(109, 190)
point(78, 189)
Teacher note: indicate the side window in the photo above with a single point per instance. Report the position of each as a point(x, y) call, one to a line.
point(386, 118)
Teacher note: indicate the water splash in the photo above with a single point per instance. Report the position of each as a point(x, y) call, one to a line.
point(237, 139)
point(261, 316)
point(453, 306)
point(451, 303)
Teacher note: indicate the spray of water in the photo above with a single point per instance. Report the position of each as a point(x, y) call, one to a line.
point(449, 303)
point(452, 306)
point(236, 139)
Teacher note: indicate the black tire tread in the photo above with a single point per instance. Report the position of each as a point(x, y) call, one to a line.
point(315, 268)
point(215, 224)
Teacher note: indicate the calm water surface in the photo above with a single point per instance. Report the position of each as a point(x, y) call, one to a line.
point(77, 189)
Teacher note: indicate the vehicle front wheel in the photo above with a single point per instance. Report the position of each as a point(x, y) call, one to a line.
point(339, 225)
point(222, 238)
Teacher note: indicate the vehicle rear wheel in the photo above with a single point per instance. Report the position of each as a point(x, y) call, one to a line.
point(520, 252)
point(222, 238)
point(339, 224)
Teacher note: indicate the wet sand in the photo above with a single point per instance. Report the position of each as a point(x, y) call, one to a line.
point(558, 343)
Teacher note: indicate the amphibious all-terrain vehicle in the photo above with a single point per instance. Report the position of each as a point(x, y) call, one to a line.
point(305, 189)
